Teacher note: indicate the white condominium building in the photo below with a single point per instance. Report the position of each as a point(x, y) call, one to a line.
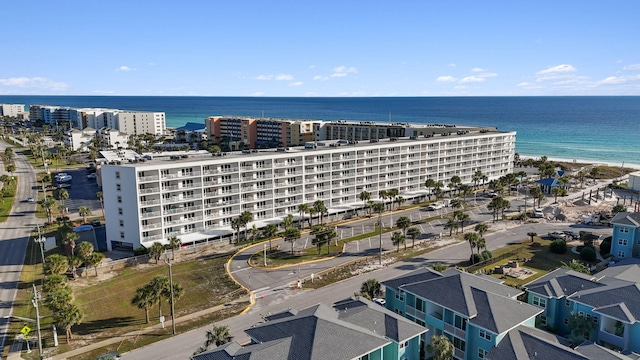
point(196, 197)
point(141, 122)
point(11, 110)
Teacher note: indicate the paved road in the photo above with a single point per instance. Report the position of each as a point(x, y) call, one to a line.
point(14, 234)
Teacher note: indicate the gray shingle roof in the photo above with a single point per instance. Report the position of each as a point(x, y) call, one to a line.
point(619, 299)
point(524, 343)
point(562, 282)
point(277, 349)
point(366, 314)
point(423, 274)
point(627, 218)
point(498, 313)
point(593, 351)
point(629, 273)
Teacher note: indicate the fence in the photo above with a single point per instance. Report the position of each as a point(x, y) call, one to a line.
point(495, 259)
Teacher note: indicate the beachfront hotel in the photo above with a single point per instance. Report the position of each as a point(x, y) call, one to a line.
point(194, 195)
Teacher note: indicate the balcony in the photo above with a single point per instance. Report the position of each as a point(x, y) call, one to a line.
point(151, 238)
point(152, 226)
point(149, 202)
point(454, 331)
point(149, 190)
point(183, 209)
point(147, 215)
point(415, 313)
point(148, 178)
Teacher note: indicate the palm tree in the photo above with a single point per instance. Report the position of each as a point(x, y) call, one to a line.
point(576, 265)
point(455, 181)
point(100, 197)
point(245, 218)
point(56, 264)
point(302, 209)
point(430, 184)
point(440, 348)
point(287, 221)
point(403, 223)
point(74, 263)
point(370, 289)
point(174, 243)
point(67, 317)
point(438, 188)
point(618, 208)
point(69, 239)
point(270, 231)
point(11, 168)
point(218, 335)
point(85, 249)
point(451, 225)
point(397, 238)
point(63, 195)
point(413, 232)
point(84, 212)
point(157, 286)
point(463, 218)
point(175, 294)
point(58, 299)
point(156, 250)
point(94, 260)
point(393, 194)
point(594, 172)
point(236, 225)
point(400, 200)
point(481, 244)
point(364, 196)
point(48, 204)
point(532, 235)
point(54, 282)
point(481, 229)
point(384, 195)
point(471, 238)
point(556, 191)
point(320, 209)
point(143, 299)
point(291, 235)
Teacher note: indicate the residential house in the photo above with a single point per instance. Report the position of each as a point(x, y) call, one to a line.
point(625, 239)
point(474, 311)
point(354, 328)
point(610, 300)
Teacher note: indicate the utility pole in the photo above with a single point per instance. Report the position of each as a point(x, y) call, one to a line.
point(40, 240)
point(36, 297)
point(380, 227)
point(173, 315)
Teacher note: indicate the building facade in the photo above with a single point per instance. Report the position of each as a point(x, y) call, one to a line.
point(196, 198)
point(625, 239)
point(141, 122)
point(11, 110)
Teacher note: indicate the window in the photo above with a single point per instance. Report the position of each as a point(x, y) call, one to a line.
point(538, 301)
point(565, 321)
point(624, 230)
point(121, 222)
point(400, 296)
point(622, 242)
point(458, 343)
point(119, 211)
point(404, 345)
point(482, 353)
point(118, 188)
point(581, 313)
point(621, 254)
point(420, 304)
point(543, 320)
point(485, 335)
point(567, 302)
point(595, 319)
point(121, 234)
point(117, 174)
point(119, 199)
point(460, 322)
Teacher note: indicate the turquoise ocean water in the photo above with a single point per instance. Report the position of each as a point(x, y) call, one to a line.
point(598, 129)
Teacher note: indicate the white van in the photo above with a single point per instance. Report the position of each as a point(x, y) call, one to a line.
point(537, 213)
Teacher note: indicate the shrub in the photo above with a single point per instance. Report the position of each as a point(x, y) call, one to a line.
point(140, 251)
point(558, 246)
point(486, 255)
point(588, 254)
point(475, 258)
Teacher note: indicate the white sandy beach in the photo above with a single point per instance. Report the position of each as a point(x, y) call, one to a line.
point(583, 161)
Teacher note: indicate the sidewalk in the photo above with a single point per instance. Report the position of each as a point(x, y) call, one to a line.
point(15, 351)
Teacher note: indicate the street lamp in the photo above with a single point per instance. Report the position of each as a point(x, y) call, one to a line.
point(34, 301)
point(380, 228)
point(265, 255)
point(40, 240)
point(173, 315)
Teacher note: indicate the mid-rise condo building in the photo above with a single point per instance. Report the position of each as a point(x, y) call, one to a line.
point(259, 132)
point(195, 197)
point(11, 110)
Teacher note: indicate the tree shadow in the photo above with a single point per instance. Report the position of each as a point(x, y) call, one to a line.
point(98, 325)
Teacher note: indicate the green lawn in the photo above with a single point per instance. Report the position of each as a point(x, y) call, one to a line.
point(6, 203)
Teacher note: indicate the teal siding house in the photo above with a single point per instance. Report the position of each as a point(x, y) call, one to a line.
point(610, 300)
point(474, 311)
point(625, 239)
point(353, 329)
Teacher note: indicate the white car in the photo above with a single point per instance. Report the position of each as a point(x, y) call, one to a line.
point(65, 178)
point(31, 199)
point(379, 301)
point(435, 206)
point(92, 176)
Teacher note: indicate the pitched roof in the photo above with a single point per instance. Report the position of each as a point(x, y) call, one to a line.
point(561, 282)
point(486, 303)
point(593, 351)
point(366, 314)
point(627, 218)
point(191, 126)
point(422, 274)
point(356, 327)
point(629, 273)
point(619, 299)
point(530, 343)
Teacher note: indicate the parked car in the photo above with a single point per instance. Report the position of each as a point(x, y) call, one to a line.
point(96, 223)
point(435, 206)
point(558, 235)
point(538, 213)
point(63, 185)
point(572, 234)
point(66, 178)
point(112, 356)
point(492, 194)
point(379, 301)
point(92, 176)
point(61, 175)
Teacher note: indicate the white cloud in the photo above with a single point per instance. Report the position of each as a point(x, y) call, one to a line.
point(487, 75)
point(264, 77)
point(478, 70)
point(614, 80)
point(469, 79)
point(335, 75)
point(342, 71)
point(564, 68)
point(34, 83)
point(452, 65)
point(446, 78)
point(632, 67)
point(285, 77)
point(320, 77)
point(297, 83)
point(125, 68)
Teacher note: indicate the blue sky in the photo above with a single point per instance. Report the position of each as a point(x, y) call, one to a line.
point(321, 48)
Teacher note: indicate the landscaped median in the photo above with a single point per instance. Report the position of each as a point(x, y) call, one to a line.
point(7, 195)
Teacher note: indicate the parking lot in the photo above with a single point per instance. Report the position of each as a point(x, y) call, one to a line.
point(82, 191)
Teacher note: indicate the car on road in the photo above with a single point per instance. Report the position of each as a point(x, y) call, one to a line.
point(492, 194)
point(558, 235)
point(63, 186)
point(30, 199)
point(92, 176)
point(572, 234)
